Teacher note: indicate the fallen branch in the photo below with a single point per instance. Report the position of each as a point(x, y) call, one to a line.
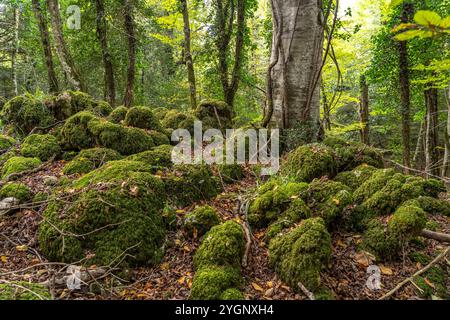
point(45, 128)
point(418, 273)
point(441, 237)
point(86, 276)
point(248, 235)
point(307, 293)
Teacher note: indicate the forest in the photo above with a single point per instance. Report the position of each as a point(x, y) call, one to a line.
point(350, 97)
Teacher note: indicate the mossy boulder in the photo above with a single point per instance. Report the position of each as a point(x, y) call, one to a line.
point(301, 254)
point(352, 154)
point(187, 184)
point(273, 198)
point(214, 283)
point(387, 241)
point(19, 191)
point(434, 206)
point(159, 138)
point(231, 173)
point(160, 112)
point(42, 146)
point(355, 178)
point(215, 114)
point(142, 117)
point(18, 165)
point(75, 135)
point(103, 109)
point(21, 290)
point(232, 294)
point(375, 183)
point(118, 212)
point(179, 120)
point(200, 220)
point(309, 162)
point(158, 158)
point(24, 113)
point(6, 142)
point(90, 159)
point(223, 245)
point(118, 115)
point(327, 199)
point(70, 103)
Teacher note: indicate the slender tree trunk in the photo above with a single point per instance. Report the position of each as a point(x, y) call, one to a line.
point(45, 39)
point(297, 49)
point(418, 154)
point(326, 109)
point(188, 55)
point(405, 89)
point(15, 51)
point(431, 142)
point(68, 66)
point(364, 111)
point(131, 38)
point(445, 166)
point(106, 56)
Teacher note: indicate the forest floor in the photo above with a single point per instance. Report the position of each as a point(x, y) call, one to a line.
point(346, 274)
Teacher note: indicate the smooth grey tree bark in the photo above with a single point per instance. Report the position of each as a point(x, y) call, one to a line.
point(294, 72)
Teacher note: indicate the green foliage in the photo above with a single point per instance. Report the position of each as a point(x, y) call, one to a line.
point(427, 24)
point(309, 162)
point(21, 290)
point(301, 254)
point(200, 220)
point(6, 142)
point(16, 190)
point(42, 146)
point(18, 165)
point(435, 283)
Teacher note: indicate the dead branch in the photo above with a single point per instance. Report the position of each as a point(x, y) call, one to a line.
point(86, 276)
point(248, 235)
point(418, 273)
point(441, 237)
point(14, 176)
point(307, 293)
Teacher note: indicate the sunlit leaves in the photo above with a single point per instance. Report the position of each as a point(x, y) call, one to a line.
point(427, 24)
point(427, 18)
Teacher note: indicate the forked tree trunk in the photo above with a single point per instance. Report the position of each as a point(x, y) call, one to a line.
point(294, 73)
point(364, 111)
point(46, 46)
point(67, 64)
point(131, 39)
point(188, 55)
point(106, 56)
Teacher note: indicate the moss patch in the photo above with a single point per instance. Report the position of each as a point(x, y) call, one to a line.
point(22, 290)
point(157, 158)
point(214, 282)
point(200, 220)
point(355, 178)
point(178, 120)
point(19, 164)
point(6, 142)
point(16, 190)
point(42, 146)
point(215, 114)
point(142, 117)
point(89, 160)
point(118, 115)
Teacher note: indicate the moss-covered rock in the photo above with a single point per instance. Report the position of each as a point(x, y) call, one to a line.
point(160, 112)
point(435, 283)
point(75, 135)
point(200, 220)
point(16, 190)
point(273, 198)
point(214, 282)
point(89, 160)
point(434, 206)
point(355, 178)
point(232, 294)
point(223, 245)
point(352, 154)
point(6, 142)
point(42, 146)
point(158, 158)
point(231, 173)
point(187, 184)
point(374, 184)
point(142, 117)
point(103, 109)
point(18, 165)
point(117, 212)
point(301, 254)
point(159, 138)
point(24, 113)
point(309, 162)
point(21, 290)
point(179, 120)
point(70, 103)
point(118, 115)
point(215, 114)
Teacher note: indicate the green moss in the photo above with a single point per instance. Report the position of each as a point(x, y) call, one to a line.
point(375, 183)
point(355, 178)
point(215, 114)
point(434, 206)
point(159, 138)
point(40, 197)
point(6, 142)
point(70, 103)
point(213, 282)
point(24, 113)
point(160, 113)
point(419, 257)
point(42, 146)
point(273, 198)
point(16, 190)
point(200, 220)
point(120, 214)
point(19, 164)
point(90, 159)
point(118, 115)
point(69, 155)
point(75, 135)
point(178, 120)
point(352, 154)
point(435, 283)
point(21, 290)
point(142, 117)
point(103, 109)
point(157, 158)
point(309, 162)
point(328, 199)
point(223, 245)
point(301, 254)
point(231, 173)
point(232, 294)
point(187, 184)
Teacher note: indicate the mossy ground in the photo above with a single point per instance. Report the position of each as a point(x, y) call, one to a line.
point(21, 290)
point(90, 159)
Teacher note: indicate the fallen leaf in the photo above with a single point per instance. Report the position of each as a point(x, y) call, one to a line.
point(364, 259)
point(428, 282)
point(257, 287)
point(341, 244)
point(181, 280)
point(134, 191)
point(269, 292)
point(22, 248)
point(4, 259)
point(270, 284)
point(165, 266)
point(187, 249)
point(180, 211)
point(336, 201)
point(386, 271)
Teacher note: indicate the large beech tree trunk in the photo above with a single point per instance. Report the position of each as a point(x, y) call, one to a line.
point(64, 56)
point(294, 72)
point(188, 55)
point(106, 56)
point(131, 38)
point(46, 46)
